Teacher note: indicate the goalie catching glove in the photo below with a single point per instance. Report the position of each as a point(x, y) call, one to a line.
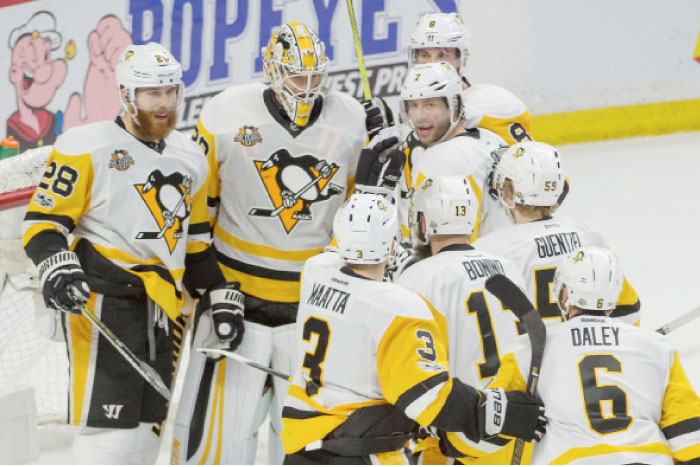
point(227, 304)
point(63, 282)
point(381, 164)
point(378, 115)
point(513, 413)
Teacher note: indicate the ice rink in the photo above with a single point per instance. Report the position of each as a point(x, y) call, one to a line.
point(642, 194)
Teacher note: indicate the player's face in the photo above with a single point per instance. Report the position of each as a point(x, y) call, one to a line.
point(160, 99)
point(304, 86)
point(438, 54)
point(157, 112)
point(430, 118)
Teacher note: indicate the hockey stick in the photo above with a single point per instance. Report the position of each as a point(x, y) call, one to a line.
point(680, 321)
point(146, 371)
point(247, 361)
point(263, 212)
point(358, 51)
point(257, 366)
point(514, 299)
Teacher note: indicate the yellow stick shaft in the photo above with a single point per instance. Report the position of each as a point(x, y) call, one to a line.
point(358, 50)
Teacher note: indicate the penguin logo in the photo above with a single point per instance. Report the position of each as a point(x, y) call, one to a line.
point(168, 199)
point(294, 184)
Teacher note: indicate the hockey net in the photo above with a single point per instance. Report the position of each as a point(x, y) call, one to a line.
point(29, 358)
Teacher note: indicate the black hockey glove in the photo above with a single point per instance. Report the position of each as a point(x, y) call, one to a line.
point(514, 413)
point(63, 282)
point(227, 314)
point(380, 166)
point(378, 115)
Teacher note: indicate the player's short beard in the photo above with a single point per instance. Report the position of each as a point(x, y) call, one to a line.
point(149, 131)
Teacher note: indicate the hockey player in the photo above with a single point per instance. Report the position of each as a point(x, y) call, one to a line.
point(615, 394)
point(373, 361)
point(282, 158)
point(133, 194)
point(528, 181)
point(443, 37)
point(431, 106)
point(452, 279)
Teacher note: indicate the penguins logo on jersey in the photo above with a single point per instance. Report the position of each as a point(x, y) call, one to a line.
point(248, 136)
point(120, 160)
point(168, 199)
point(579, 257)
point(294, 184)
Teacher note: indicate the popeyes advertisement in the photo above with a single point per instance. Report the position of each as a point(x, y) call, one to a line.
point(60, 56)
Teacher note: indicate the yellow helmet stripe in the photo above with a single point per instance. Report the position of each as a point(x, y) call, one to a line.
point(306, 45)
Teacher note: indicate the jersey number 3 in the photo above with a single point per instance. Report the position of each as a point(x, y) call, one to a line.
point(313, 361)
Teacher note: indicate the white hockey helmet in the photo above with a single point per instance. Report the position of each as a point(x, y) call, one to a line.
point(536, 172)
point(593, 279)
point(440, 30)
point(294, 63)
point(449, 206)
point(430, 80)
point(365, 227)
point(147, 66)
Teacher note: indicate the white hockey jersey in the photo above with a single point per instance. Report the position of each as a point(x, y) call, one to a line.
point(363, 343)
point(536, 248)
point(494, 108)
point(140, 209)
point(277, 187)
point(613, 394)
point(477, 327)
point(466, 155)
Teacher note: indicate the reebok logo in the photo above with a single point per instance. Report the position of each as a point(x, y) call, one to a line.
point(112, 410)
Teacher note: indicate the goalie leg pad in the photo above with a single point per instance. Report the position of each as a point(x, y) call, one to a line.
point(223, 402)
point(284, 359)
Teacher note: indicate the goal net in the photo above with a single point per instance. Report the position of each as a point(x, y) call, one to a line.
point(29, 358)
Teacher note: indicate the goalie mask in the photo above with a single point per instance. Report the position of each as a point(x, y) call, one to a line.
point(425, 86)
point(439, 31)
point(449, 206)
point(536, 172)
point(294, 63)
point(365, 227)
point(151, 78)
point(593, 279)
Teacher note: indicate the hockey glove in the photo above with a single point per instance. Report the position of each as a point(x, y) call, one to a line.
point(398, 262)
point(380, 166)
point(63, 282)
point(514, 413)
point(378, 115)
point(227, 314)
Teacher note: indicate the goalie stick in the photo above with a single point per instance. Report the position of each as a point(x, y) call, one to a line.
point(514, 299)
point(146, 371)
point(680, 321)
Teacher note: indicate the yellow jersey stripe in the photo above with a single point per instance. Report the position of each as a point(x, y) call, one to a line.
point(603, 449)
point(264, 251)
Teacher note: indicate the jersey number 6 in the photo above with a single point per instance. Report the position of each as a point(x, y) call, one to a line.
point(615, 418)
